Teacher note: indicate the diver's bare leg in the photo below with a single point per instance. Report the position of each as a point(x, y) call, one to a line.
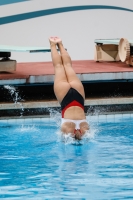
point(61, 85)
point(70, 73)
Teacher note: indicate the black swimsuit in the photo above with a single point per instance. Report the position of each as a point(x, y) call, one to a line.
point(72, 98)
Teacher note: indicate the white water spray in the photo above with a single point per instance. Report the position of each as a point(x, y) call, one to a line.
point(67, 138)
point(15, 97)
point(55, 115)
point(28, 128)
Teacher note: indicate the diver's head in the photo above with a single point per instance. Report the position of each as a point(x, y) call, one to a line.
point(69, 128)
point(78, 134)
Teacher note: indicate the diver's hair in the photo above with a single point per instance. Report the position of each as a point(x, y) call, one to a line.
point(78, 136)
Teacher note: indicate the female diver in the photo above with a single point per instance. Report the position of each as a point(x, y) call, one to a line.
point(69, 91)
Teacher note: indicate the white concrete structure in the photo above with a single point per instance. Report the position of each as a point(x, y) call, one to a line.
point(78, 23)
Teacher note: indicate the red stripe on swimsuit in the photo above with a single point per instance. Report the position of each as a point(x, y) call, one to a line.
point(73, 103)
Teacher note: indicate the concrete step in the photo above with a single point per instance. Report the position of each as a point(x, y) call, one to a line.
point(55, 104)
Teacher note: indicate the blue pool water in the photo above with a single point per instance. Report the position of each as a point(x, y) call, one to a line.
point(36, 164)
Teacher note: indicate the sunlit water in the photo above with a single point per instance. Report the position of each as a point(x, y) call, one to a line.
point(36, 164)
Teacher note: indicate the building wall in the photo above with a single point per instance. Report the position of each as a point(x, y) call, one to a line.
point(78, 23)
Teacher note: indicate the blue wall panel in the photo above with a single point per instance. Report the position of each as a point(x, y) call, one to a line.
point(5, 2)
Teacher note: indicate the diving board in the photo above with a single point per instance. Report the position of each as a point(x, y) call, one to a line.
point(5, 48)
point(119, 49)
point(111, 41)
point(8, 65)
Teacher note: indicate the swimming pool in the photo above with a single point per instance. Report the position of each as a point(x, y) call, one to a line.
point(36, 164)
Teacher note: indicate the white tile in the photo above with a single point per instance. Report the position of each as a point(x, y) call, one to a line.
point(31, 79)
point(79, 76)
point(131, 115)
point(95, 118)
point(108, 76)
point(52, 120)
point(85, 77)
point(14, 81)
point(125, 75)
point(118, 117)
point(130, 75)
point(88, 117)
point(118, 75)
point(128, 115)
point(50, 78)
point(22, 81)
point(111, 118)
point(45, 120)
point(3, 121)
point(98, 76)
point(18, 81)
point(12, 121)
point(19, 121)
point(92, 118)
point(102, 118)
point(40, 79)
point(36, 120)
point(104, 76)
point(28, 121)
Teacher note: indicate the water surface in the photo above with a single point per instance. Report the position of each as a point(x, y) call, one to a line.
point(36, 164)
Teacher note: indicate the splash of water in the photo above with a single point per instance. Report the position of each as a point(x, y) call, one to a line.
point(28, 128)
point(68, 139)
point(97, 110)
point(15, 97)
point(55, 115)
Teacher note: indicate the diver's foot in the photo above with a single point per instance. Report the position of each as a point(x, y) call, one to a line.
point(59, 41)
point(52, 41)
point(55, 40)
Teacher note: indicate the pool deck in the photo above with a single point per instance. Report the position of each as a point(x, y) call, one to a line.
point(87, 70)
